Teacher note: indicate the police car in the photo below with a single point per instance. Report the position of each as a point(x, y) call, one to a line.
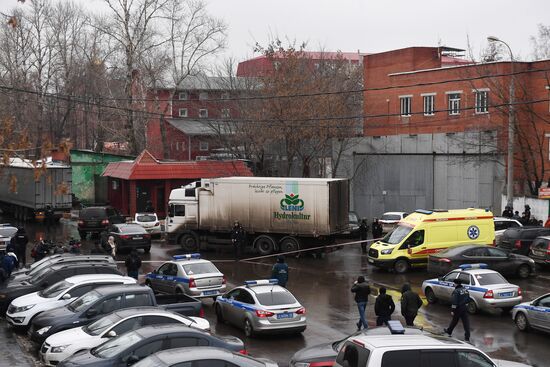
point(488, 289)
point(188, 274)
point(534, 314)
point(261, 306)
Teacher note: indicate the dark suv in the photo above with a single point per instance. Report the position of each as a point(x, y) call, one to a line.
point(519, 240)
point(540, 251)
point(96, 219)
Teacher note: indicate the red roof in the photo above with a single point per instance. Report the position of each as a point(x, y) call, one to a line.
point(147, 167)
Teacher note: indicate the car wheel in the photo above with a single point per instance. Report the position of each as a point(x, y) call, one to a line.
point(524, 271)
point(147, 250)
point(521, 321)
point(430, 296)
point(219, 314)
point(82, 235)
point(471, 308)
point(248, 329)
point(401, 266)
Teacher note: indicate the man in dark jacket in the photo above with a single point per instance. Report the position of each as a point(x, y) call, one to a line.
point(133, 263)
point(21, 240)
point(384, 307)
point(363, 234)
point(362, 291)
point(460, 299)
point(280, 271)
point(376, 229)
point(410, 303)
point(237, 239)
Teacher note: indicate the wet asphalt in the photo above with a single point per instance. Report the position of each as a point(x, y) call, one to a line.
point(323, 285)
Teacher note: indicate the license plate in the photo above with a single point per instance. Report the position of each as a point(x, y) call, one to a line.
point(506, 294)
point(371, 261)
point(207, 293)
point(286, 315)
point(138, 238)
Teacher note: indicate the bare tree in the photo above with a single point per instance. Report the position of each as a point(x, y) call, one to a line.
point(541, 43)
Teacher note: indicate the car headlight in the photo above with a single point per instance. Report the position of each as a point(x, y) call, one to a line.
point(386, 251)
point(43, 330)
point(23, 308)
point(59, 349)
point(2, 296)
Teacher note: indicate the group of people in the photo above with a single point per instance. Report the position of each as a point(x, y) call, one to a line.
point(525, 217)
point(364, 232)
point(384, 305)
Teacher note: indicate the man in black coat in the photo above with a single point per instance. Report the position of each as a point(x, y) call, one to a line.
point(376, 229)
point(363, 234)
point(238, 237)
point(384, 307)
point(362, 291)
point(410, 304)
point(21, 241)
point(459, 309)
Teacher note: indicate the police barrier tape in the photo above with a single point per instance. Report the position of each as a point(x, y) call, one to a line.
point(276, 254)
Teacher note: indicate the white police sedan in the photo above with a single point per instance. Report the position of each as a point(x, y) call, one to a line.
point(534, 314)
point(261, 306)
point(488, 289)
point(188, 274)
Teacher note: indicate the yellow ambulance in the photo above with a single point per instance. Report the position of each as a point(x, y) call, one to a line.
point(426, 232)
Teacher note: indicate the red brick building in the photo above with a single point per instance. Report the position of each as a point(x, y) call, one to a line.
point(131, 184)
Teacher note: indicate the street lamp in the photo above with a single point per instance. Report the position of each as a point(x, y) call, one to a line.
point(511, 127)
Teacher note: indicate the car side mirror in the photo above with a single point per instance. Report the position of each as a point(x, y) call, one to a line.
point(91, 312)
point(111, 334)
point(66, 296)
point(132, 359)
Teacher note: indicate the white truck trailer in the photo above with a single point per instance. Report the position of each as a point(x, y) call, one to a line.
point(278, 214)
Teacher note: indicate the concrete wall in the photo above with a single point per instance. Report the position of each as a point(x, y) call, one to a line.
point(540, 209)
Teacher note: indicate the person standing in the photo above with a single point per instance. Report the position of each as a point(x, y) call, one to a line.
point(410, 304)
point(238, 239)
point(280, 271)
point(362, 291)
point(111, 246)
point(376, 229)
point(527, 213)
point(363, 234)
point(460, 299)
point(133, 264)
point(383, 307)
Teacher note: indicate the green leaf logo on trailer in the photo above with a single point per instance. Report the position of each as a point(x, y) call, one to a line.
point(292, 201)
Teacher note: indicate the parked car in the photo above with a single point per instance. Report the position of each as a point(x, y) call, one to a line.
point(540, 251)
point(149, 222)
point(104, 300)
point(129, 348)
point(68, 342)
point(497, 259)
point(95, 219)
point(7, 231)
point(261, 306)
point(519, 240)
point(502, 224)
point(128, 236)
point(51, 276)
point(23, 309)
point(534, 314)
point(390, 219)
point(187, 274)
point(202, 357)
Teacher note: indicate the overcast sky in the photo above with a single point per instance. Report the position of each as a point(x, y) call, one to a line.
point(374, 26)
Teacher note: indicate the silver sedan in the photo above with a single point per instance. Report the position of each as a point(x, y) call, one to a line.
point(534, 314)
point(261, 306)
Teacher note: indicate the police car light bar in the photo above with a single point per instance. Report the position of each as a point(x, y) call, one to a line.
point(396, 327)
point(473, 266)
point(186, 257)
point(250, 283)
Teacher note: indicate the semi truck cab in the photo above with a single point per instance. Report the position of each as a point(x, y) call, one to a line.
point(183, 207)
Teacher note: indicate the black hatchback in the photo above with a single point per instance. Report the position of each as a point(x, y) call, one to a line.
point(499, 260)
point(95, 219)
point(519, 240)
point(540, 251)
point(128, 236)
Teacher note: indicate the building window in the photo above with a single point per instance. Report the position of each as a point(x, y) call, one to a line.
point(203, 95)
point(225, 113)
point(405, 102)
point(183, 96)
point(203, 112)
point(203, 145)
point(454, 103)
point(183, 112)
point(177, 145)
point(115, 185)
point(429, 102)
point(482, 101)
point(226, 95)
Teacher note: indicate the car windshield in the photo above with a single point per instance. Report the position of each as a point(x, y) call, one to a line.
point(131, 229)
point(276, 298)
point(96, 328)
point(84, 301)
point(37, 276)
point(397, 235)
point(55, 289)
point(93, 213)
point(391, 217)
point(146, 218)
point(114, 346)
point(353, 218)
point(200, 268)
point(490, 278)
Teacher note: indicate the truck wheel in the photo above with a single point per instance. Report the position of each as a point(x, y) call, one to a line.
point(265, 245)
point(401, 266)
point(289, 244)
point(189, 242)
